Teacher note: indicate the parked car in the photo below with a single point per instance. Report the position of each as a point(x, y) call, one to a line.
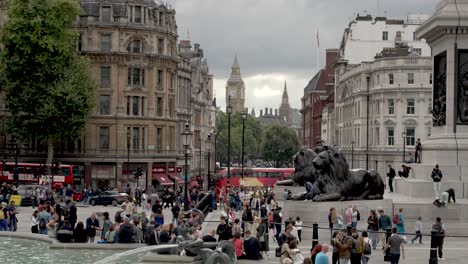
point(77, 196)
point(108, 198)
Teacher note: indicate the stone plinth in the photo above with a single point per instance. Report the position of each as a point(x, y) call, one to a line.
point(424, 188)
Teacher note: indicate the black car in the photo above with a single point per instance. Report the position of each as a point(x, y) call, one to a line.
point(108, 198)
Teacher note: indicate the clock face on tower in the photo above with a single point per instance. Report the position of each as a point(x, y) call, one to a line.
point(232, 93)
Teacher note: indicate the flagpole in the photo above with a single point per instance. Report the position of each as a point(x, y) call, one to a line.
point(318, 51)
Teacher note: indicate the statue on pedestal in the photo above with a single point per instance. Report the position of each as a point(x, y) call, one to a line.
point(331, 178)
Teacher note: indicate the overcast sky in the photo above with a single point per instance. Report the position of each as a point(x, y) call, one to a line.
point(275, 40)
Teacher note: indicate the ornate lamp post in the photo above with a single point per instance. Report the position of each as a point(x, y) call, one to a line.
point(128, 158)
point(403, 135)
point(186, 141)
point(208, 149)
point(229, 112)
point(244, 116)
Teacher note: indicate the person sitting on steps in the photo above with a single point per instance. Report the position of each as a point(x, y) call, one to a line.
point(405, 170)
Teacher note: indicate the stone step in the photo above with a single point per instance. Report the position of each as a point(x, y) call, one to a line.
point(423, 172)
point(424, 188)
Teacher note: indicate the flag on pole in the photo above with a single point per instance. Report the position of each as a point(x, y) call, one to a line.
point(318, 39)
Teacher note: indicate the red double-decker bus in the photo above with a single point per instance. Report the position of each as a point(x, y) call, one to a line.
point(265, 177)
point(35, 173)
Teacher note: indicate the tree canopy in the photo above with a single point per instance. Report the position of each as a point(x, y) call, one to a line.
point(280, 143)
point(48, 86)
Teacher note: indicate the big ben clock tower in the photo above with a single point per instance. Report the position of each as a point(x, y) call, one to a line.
point(235, 88)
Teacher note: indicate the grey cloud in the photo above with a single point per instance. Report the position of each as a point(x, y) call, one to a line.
point(275, 36)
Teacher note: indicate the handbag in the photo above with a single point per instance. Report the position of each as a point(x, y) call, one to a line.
point(278, 252)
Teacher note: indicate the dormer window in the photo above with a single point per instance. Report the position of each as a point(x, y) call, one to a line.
point(136, 47)
point(106, 14)
point(137, 18)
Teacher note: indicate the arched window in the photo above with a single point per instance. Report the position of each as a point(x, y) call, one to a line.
point(136, 47)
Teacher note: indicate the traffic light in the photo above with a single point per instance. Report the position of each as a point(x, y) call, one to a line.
point(138, 173)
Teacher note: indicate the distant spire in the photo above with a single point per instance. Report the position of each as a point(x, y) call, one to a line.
point(252, 113)
point(235, 64)
point(285, 91)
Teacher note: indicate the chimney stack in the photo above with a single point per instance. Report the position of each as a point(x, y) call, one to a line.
point(266, 111)
point(271, 111)
point(261, 112)
point(276, 112)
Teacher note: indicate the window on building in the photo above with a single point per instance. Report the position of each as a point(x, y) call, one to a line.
point(390, 136)
point(410, 136)
point(377, 106)
point(136, 138)
point(160, 79)
point(410, 78)
point(105, 42)
point(378, 78)
point(104, 104)
point(79, 44)
point(161, 19)
point(137, 18)
point(143, 136)
point(142, 106)
point(105, 76)
point(136, 46)
point(390, 78)
point(410, 106)
point(430, 78)
point(414, 36)
point(159, 138)
point(106, 14)
point(160, 46)
point(385, 35)
point(104, 138)
point(391, 106)
point(171, 107)
point(428, 129)
point(159, 106)
point(417, 50)
point(136, 76)
point(377, 136)
point(398, 36)
point(135, 107)
point(128, 105)
point(172, 140)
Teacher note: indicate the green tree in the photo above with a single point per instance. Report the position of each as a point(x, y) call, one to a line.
point(48, 87)
point(252, 138)
point(280, 143)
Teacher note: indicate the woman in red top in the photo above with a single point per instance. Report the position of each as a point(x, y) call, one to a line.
point(238, 245)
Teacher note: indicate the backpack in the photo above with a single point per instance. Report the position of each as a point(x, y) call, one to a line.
point(42, 224)
point(2, 214)
point(367, 248)
point(358, 217)
point(396, 219)
point(357, 245)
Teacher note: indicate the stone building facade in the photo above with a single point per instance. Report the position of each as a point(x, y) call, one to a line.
point(196, 106)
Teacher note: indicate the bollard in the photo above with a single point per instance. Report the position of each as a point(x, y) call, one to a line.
point(433, 251)
point(388, 234)
point(315, 235)
point(267, 238)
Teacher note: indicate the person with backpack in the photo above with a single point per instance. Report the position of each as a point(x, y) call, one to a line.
point(373, 227)
point(384, 223)
point(12, 220)
point(356, 216)
point(3, 217)
point(357, 250)
point(436, 176)
point(439, 228)
point(43, 218)
point(399, 223)
point(367, 247)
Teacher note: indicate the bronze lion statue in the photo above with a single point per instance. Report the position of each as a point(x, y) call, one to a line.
point(335, 181)
point(326, 168)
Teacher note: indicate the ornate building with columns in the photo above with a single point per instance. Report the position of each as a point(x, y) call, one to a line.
point(132, 46)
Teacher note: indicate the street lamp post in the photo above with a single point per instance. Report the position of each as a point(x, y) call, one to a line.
point(215, 133)
point(128, 158)
point(352, 154)
point(208, 149)
point(244, 116)
point(186, 140)
point(229, 112)
point(403, 134)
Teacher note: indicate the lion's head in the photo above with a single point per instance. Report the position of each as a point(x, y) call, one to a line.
point(333, 170)
point(304, 158)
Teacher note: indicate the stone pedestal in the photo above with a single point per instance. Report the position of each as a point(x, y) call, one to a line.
point(446, 33)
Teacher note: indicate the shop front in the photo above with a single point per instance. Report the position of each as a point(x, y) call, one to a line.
point(103, 176)
point(166, 176)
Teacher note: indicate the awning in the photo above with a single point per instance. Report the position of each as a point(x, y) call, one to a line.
point(176, 178)
point(162, 179)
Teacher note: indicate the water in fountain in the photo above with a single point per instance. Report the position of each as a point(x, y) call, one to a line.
point(115, 257)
